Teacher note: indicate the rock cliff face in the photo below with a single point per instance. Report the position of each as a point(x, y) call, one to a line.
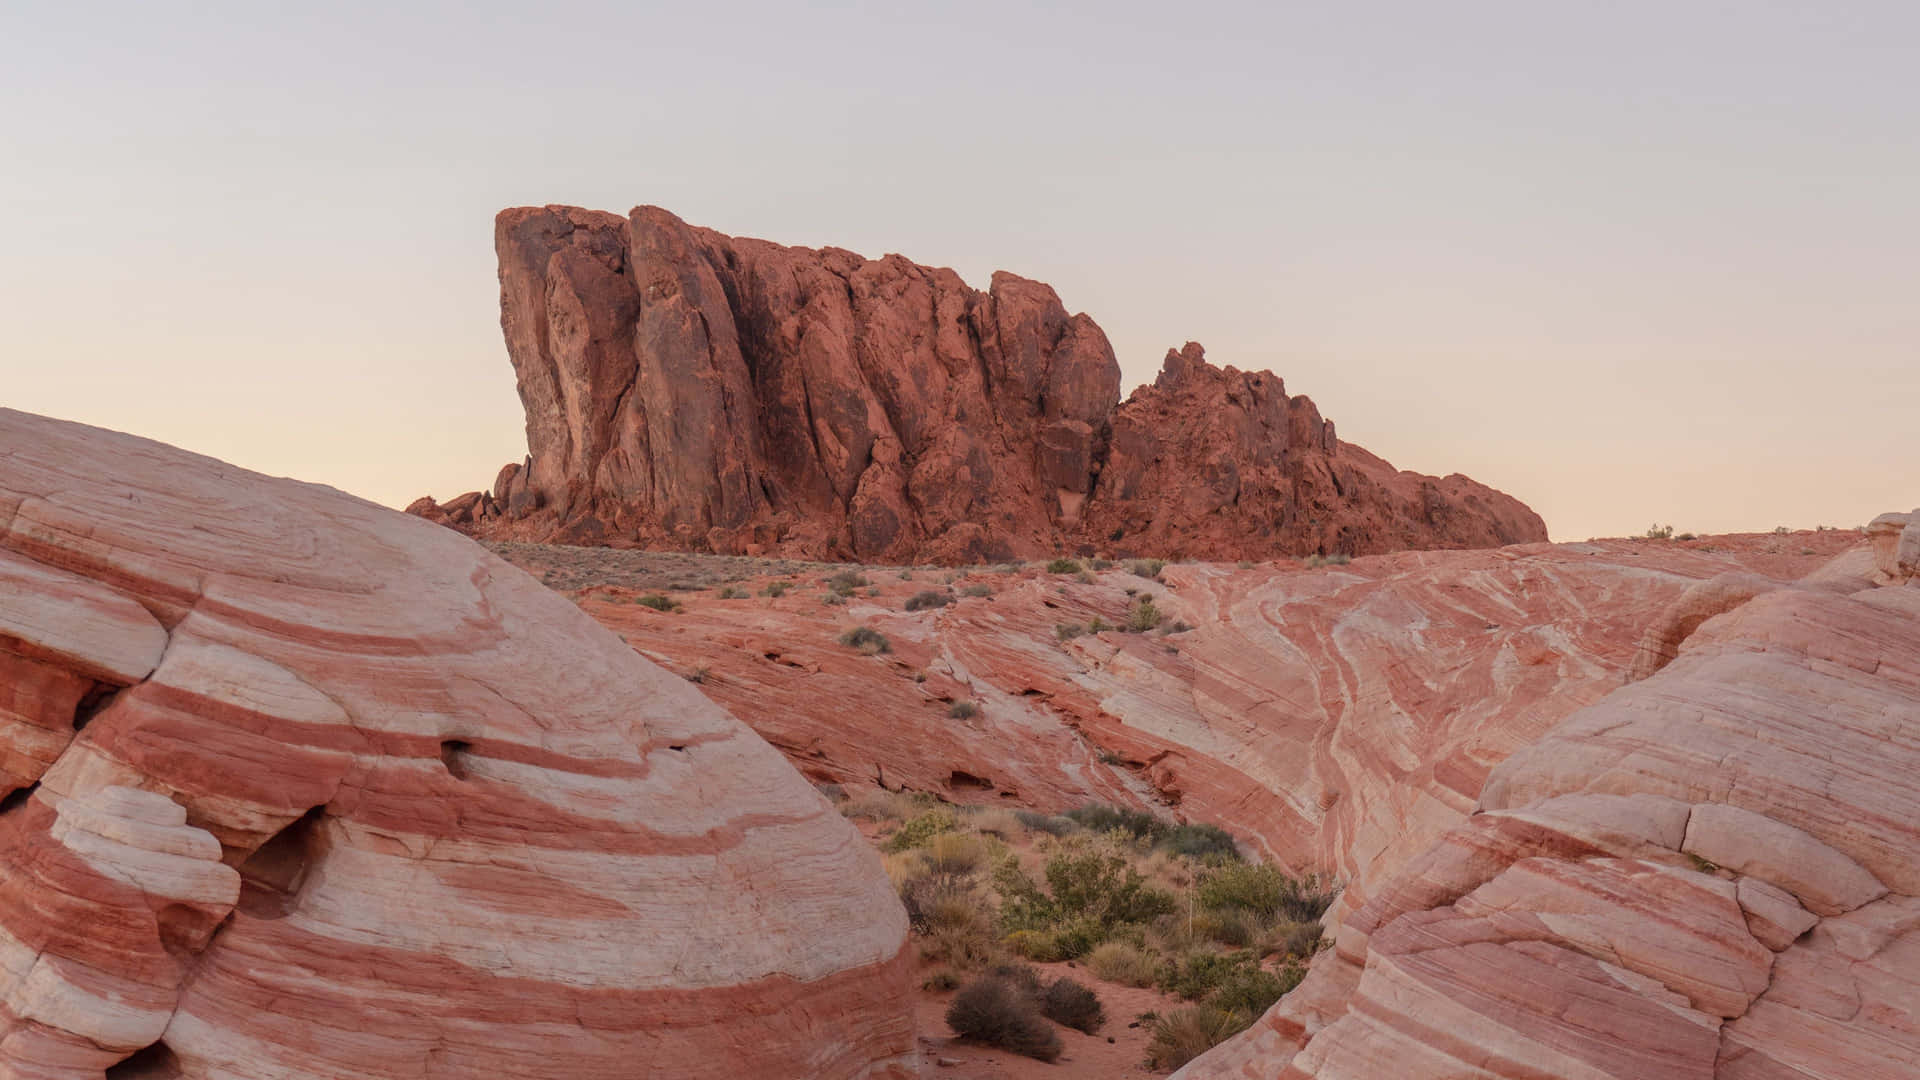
point(1714, 872)
point(690, 390)
point(298, 787)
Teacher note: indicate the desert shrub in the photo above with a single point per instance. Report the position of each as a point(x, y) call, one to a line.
point(1179, 626)
point(1065, 939)
point(928, 598)
point(1267, 891)
point(1105, 817)
point(832, 598)
point(1097, 625)
point(657, 602)
point(1200, 972)
point(1690, 536)
point(1128, 965)
point(833, 792)
point(879, 806)
point(918, 829)
point(941, 980)
point(1185, 1034)
point(977, 589)
point(1100, 564)
point(1073, 1005)
point(1063, 566)
point(1659, 532)
point(954, 921)
point(906, 575)
point(867, 640)
point(1051, 824)
point(962, 710)
point(1090, 885)
point(731, 592)
point(846, 581)
point(699, 673)
point(1022, 976)
point(959, 853)
point(1314, 562)
point(1084, 578)
point(1199, 841)
point(997, 821)
point(1252, 989)
point(1146, 568)
point(998, 1012)
point(775, 589)
point(1299, 939)
point(1067, 631)
point(1230, 927)
point(874, 592)
point(1244, 564)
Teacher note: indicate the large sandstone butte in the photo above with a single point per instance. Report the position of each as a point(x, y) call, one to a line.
point(1714, 872)
point(306, 789)
point(701, 392)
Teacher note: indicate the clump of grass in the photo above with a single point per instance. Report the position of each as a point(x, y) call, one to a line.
point(844, 582)
point(953, 921)
point(1123, 963)
point(962, 710)
point(1199, 841)
point(1185, 1034)
point(959, 853)
point(999, 1012)
point(977, 589)
point(775, 589)
point(730, 592)
point(866, 639)
point(657, 602)
point(1051, 824)
point(920, 828)
point(1100, 564)
point(1067, 631)
point(928, 598)
point(1097, 625)
point(941, 981)
point(1064, 566)
point(1266, 891)
point(1143, 616)
point(1105, 817)
point(1146, 568)
point(1071, 1004)
point(1083, 578)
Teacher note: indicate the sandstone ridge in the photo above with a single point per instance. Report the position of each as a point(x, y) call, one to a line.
point(694, 391)
point(304, 788)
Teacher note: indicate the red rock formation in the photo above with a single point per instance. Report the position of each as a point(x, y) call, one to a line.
point(304, 788)
point(1713, 872)
point(690, 390)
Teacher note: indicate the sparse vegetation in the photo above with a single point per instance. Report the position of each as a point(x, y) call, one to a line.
point(844, 582)
point(731, 592)
point(1146, 568)
point(866, 639)
point(1123, 963)
point(1097, 625)
point(775, 589)
point(1063, 566)
point(698, 674)
point(977, 590)
point(1659, 532)
point(928, 598)
point(998, 1011)
point(657, 602)
point(1143, 616)
point(832, 599)
point(962, 710)
point(1315, 562)
point(1185, 1034)
point(1100, 564)
point(1067, 631)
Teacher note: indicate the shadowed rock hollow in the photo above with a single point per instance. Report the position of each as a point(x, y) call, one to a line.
point(690, 390)
point(301, 787)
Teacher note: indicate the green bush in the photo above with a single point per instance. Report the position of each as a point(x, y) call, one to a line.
point(867, 640)
point(658, 602)
point(928, 598)
point(1100, 887)
point(1267, 891)
point(1199, 841)
point(1073, 1005)
point(998, 1012)
point(1143, 616)
point(1051, 824)
point(916, 830)
point(1200, 972)
point(1063, 566)
point(1105, 817)
point(1253, 989)
point(1185, 1034)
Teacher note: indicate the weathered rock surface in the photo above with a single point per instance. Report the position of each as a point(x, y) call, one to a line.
point(695, 391)
point(1711, 872)
point(304, 788)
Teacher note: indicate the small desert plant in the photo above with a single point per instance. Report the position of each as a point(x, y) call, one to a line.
point(919, 829)
point(1243, 564)
point(1071, 1004)
point(1063, 566)
point(1199, 841)
point(730, 592)
point(846, 581)
point(1084, 578)
point(996, 821)
point(775, 589)
point(1185, 1034)
point(1100, 564)
point(832, 599)
point(1690, 536)
point(874, 592)
point(1266, 891)
point(1119, 962)
point(1233, 928)
point(1146, 568)
point(959, 853)
point(1097, 625)
point(977, 589)
point(997, 1011)
point(657, 602)
point(929, 598)
point(1067, 631)
point(832, 791)
point(1104, 817)
point(1314, 562)
point(866, 639)
point(1143, 616)
point(1659, 532)
point(698, 674)
point(906, 575)
point(1179, 627)
point(880, 805)
point(1051, 824)
point(1301, 939)
point(962, 710)
point(1252, 989)
point(941, 980)
point(1201, 971)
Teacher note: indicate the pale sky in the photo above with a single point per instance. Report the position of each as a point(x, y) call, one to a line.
point(1630, 262)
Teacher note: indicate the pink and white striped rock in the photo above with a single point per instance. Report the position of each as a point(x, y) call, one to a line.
point(308, 789)
point(1711, 873)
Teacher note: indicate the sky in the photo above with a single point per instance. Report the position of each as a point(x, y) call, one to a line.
point(1629, 262)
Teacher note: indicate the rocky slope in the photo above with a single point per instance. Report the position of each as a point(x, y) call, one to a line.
point(304, 788)
point(1714, 872)
point(695, 391)
point(1337, 718)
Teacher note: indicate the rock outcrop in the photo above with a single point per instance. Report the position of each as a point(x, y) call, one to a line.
point(299, 787)
point(695, 391)
point(1712, 872)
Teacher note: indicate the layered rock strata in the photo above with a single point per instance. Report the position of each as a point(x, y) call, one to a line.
point(690, 390)
point(298, 787)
